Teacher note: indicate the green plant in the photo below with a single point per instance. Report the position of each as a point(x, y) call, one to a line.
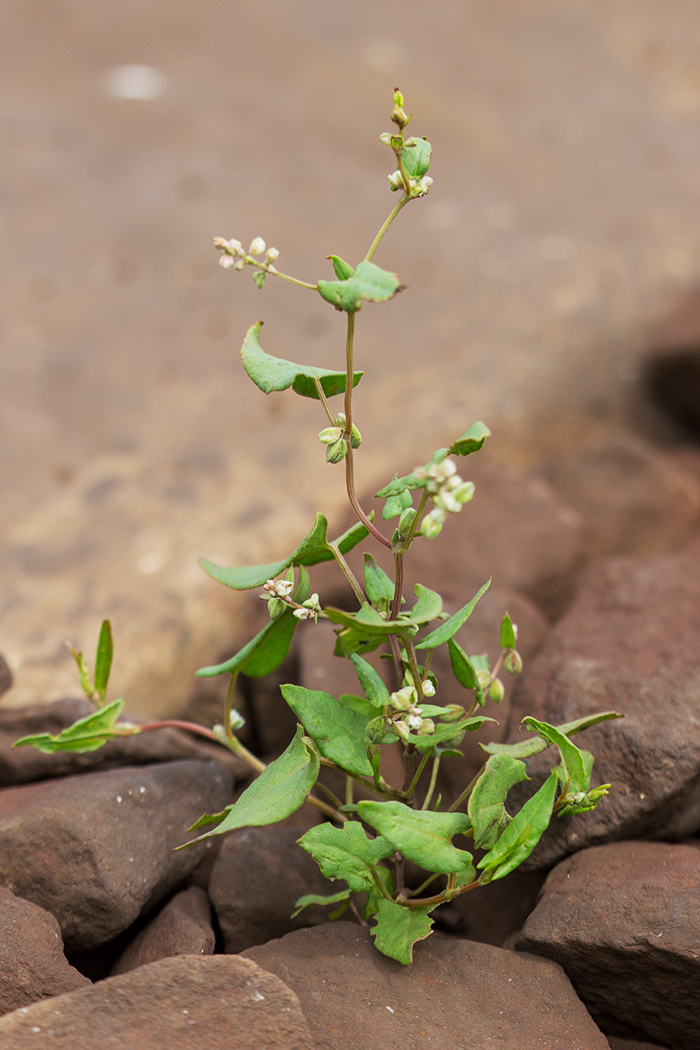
point(366, 842)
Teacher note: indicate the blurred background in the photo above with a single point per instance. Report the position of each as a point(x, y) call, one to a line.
point(557, 250)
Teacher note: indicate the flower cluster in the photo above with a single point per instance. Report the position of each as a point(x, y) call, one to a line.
point(334, 439)
point(447, 490)
point(278, 595)
point(409, 717)
point(417, 187)
point(233, 255)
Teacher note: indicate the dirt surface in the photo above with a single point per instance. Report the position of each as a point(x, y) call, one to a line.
point(563, 226)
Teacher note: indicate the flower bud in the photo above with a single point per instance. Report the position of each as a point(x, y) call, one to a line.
point(271, 255)
point(337, 452)
point(330, 435)
point(355, 437)
point(430, 527)
point(483, 678)
point(496, 692)
point(227, 261)
point(376, 730)
point(406, 520)
point(426, 727)
point(276, 607)
point(454, 711)
point(395, 180)
point(420, 188)
point(303, 614)
point(240, 265)
point(402, 729)
point(464, 493)
point(398, 117)
point(413, 721)
point(386, 139)
point(513, 662)
point(257, 246)
point(404, 698)
point(428, 688)
point(446, 501)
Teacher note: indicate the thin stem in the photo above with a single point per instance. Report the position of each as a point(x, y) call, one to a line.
point(385, 226)
point(349, 792)
point(413, 664)
point(349, 465)
point(408, 540)
point(285, 276)
point(348, 574)
point(387, 791)
point(433, 780)
point(228, 704)
point(324, 400)
point(440, 898)
point(398, 586)
point(416, 778)
point(466, 793)
point(170, 723)
point(329, 794)
point(381, 887)
point(409, 759)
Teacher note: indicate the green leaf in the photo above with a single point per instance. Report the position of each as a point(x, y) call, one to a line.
point(369, 283)
point(450, 627)
point(428, 605)
point(346, 853)
point(278, 792)
point(103, 660)
point(486, 807)
point(416, 157)
point(507, 634)
point(357, 703)
point(396, 505)
point(350, 538)
point(375, 895)
point(338, 732)
point(446, 731)
point(314, 548)
point(461, 665)
point(533, 746)
point(318, 898)
point(271, 374)
point(423, 837)
point(571, 757)
point(87, 734)
point(83, 673)
point(266, 652)
point(398, 928)
point(343, 270)
point(522, 834)
point(378, 585)
point(472, 440)
point(371, 681)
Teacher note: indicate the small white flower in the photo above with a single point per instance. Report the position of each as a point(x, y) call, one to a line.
point(446, 501)
point(404, 698)
point(303, 614)
point(257, 246)
point(428, 688)
point(271, 255)
point(226, 261)
point(413, 721)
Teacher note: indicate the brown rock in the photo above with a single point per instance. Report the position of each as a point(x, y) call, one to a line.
point(623, 921)
point(257, 878)
point(32, 963)
point(25, 764)
point(628, 643)
point(219, 1002)
point(632, 498)
point(96, 850)
point(455, 992)
point(182, 927)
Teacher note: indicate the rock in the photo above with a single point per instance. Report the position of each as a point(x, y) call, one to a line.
point(632, 1044)
point(493, 914)
point(628, 643)
point(26, 764)
point(673, 380)
point(623, 920)
point(257, 878)
point(471, 995)
point(210, 1003)
point(96, 850)
point(182, 927)
point(631, 497)
point(32, 963)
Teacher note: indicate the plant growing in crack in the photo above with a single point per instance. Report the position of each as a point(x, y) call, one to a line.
point(365, 842)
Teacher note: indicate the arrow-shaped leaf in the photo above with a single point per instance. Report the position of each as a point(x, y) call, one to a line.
point(346, 853)
point(369, 283)
point(422, 836)
point(271, 374)
point(87, 734)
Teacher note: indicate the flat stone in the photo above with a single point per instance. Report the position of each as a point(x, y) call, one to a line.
point(623, 920)
point(182, 927)
point(455, 992)
point(257, 878)
point(32, 963)
point(96, 850)
point(628, 641)
point(26, 764)
point(219, 1001)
